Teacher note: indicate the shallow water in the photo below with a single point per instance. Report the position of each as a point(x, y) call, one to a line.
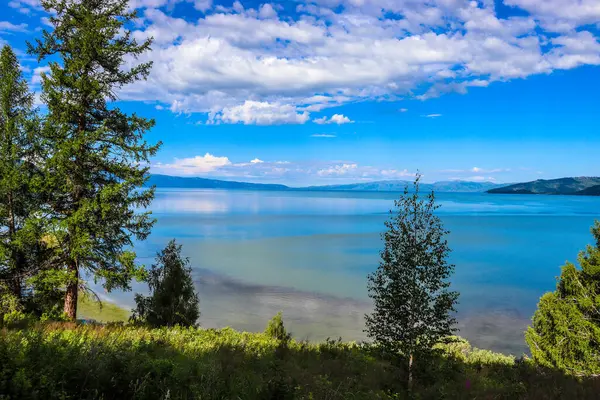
point(308, 254)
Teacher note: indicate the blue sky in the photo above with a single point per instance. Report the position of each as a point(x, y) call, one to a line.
point(336, 91)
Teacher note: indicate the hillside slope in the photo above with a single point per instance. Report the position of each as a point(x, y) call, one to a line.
point(166, 181)
point(564, 186)
point(398, 186)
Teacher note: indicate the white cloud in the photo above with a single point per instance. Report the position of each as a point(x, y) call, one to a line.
point(561, 15)
point(10, 27)
point(24, 6)
point(308, 172)
point(335, 119)
point(265, 65)
point(36, 77)
point(341, 169)
point(323, 135)
point(194, 165)
point(477, 178)
point(267, 11)
point(476, 170)
point(488, 171)
point(432, 115)
point(260, 113)
point(203, 5)
point(403, 110)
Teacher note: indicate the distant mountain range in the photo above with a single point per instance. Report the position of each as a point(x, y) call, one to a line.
point(165, 181)
point(583, 186)
point(398, 186)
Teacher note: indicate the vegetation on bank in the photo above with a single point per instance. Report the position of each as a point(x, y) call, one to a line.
point(66, 361)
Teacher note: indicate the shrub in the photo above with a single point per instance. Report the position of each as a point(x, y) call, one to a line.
point(276, 329)
point(172, 300)
point(565, 333)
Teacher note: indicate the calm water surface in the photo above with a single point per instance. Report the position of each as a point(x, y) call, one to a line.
point(308, 254)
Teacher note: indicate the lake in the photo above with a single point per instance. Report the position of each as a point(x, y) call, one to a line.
point(254, 253)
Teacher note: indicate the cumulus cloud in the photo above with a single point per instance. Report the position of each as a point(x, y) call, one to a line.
point(342, 169)
point(203, 5)
point(560, 15)
point(24, 6)
point(335, 119)
point(267, 65)
point(194, 165)
point(260, 113)
point(282, 171)
point(6, 26)
point(36, 78)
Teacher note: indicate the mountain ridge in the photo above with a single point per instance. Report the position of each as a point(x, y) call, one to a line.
point(578, 186)
point(168, 181)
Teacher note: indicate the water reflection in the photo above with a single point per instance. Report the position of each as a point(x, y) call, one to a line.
point(308, 254)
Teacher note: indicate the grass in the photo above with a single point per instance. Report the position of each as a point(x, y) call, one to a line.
point(105, 311)
point(70, 361)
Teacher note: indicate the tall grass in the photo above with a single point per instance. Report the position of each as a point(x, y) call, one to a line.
point(66, 361)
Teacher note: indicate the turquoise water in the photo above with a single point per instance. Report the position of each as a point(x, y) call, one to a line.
point(308, 254)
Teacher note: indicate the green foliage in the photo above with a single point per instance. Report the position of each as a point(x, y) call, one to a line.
point(276, 329)
point(20, 178)
point(173, 299)
point(45, 300)
point(10, 307)
point(98, 160)
point(410, 288)
point(65, 361)
point(565, 333)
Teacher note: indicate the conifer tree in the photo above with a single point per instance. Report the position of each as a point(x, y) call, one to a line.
point(20, 182)
point(412, 303)
point(565, 333)
point(99, 158)
point(173, 299)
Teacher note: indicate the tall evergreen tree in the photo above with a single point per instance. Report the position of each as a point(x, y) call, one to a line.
point(565, 333)
point(20, 180)
point(410, 289)
point(96, 170)
point(173, 299)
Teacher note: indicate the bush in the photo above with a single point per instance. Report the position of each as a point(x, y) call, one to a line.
point(565, 333)
point(173, 299)
point(276, 329)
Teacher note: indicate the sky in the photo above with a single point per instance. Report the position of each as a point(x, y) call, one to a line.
point(338, 91)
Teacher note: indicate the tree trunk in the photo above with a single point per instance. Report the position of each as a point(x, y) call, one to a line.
point(71, 293)
point(16, 262)
point(410, 363)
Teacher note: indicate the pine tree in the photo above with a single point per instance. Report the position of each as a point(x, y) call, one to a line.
point(20, 179)
point(410, 289)
point(565, 333)
point(173, 299)
point(99, 159)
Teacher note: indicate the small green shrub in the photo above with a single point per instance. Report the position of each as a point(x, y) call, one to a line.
point(276, 329)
